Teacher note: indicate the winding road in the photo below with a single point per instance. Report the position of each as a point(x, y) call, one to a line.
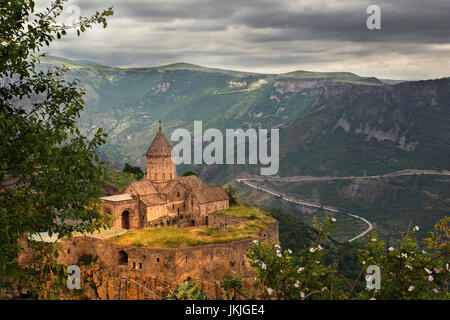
point(289, 199)
point(407, 172)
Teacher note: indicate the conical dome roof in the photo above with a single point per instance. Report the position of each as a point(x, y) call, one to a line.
point(160, 147)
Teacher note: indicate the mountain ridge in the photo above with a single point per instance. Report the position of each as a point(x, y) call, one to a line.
point(75, 64)
point(330, 123)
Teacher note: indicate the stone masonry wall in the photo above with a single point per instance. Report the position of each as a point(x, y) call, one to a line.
point(151, 270)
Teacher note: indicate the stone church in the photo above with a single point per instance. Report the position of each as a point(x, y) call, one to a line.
point(161, 198)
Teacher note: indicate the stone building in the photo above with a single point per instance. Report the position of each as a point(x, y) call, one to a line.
point(161, 198)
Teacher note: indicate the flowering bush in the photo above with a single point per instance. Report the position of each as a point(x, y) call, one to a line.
point(407, 271)
point(281, 277)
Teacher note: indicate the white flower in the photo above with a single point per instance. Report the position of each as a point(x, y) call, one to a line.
point(411, 288)
point(428, 270)
point(408, 266)
point(289, 250)
point(317, 261)
point(416, 228)
point(404, 255)
point(269, 291)
point(312, 250)
point(255, 241)
point(391, 249)
point(319, 247)
point(279, 255)
point(297, 284)
point(435, 290)
point(302, 294)
point(373, 298)
point(423, 252)
point(324, 288)
point(300, 269)
point(333, 219)
point(277, 246)
point(363, 262)
point(368, 277)
point(4, 43)
point(373, 240)
point(263, 266)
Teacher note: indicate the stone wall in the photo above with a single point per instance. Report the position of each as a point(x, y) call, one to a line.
point(147, 270)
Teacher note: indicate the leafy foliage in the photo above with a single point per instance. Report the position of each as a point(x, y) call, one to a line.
point(188, 291)
point(189, 173)
point(49, 172)
point(231, 190)
point(407, 272)
point(232, 284)
point(133, 170)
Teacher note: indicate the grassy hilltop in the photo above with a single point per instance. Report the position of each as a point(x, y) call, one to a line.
point(254, 220)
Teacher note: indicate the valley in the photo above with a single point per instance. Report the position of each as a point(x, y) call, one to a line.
point(341, 135)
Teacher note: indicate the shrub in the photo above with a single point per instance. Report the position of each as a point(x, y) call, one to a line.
point(408, 271)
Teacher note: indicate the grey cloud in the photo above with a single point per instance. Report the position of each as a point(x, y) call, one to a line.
point(270, 35)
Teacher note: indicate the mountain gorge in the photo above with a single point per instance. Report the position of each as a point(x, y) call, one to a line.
point(330, 123)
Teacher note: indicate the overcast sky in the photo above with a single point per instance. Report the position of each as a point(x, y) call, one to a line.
point(270, 36)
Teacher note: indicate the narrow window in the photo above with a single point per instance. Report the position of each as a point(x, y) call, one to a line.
point(123, 257)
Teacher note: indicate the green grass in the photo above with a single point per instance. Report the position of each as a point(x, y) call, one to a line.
point(254, 220)
point(337, 76)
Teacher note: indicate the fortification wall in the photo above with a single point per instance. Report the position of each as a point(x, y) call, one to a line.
point(145, 270)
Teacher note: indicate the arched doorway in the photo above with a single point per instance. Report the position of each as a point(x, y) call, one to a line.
point(126, 219)
point(123, 257)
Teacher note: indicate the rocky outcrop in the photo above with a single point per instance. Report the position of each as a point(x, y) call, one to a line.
point(103, 283)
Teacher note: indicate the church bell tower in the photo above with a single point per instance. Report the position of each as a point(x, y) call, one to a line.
point(160, 166)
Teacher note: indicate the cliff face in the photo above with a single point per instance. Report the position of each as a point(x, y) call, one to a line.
point(103, 283)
